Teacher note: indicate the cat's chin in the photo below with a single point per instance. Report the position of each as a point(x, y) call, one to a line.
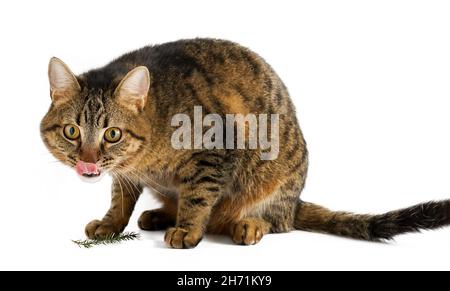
point(91, 179)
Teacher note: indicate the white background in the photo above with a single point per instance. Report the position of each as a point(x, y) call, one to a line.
point(370, 80)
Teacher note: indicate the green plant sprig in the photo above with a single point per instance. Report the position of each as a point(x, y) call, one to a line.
point(112, 239)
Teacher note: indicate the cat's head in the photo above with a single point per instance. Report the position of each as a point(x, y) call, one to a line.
point(95, 130)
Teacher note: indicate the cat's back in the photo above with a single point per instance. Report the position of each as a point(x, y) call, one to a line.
point(202, 54)
point(220, 75)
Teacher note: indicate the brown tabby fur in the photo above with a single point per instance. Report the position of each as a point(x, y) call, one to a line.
point(230, 192)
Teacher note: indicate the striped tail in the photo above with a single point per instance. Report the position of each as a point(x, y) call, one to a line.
point(315, 218)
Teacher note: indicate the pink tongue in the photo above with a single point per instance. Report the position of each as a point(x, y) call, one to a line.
point(86, 168)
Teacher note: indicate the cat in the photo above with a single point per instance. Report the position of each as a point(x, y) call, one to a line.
point(117, 120)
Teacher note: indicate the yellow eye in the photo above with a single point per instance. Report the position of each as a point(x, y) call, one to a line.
point(71, 132)
point(113, 135)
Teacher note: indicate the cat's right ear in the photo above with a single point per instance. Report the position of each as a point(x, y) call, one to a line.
point(63, 83)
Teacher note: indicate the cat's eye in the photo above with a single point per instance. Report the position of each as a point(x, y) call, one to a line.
point(113, 135)
point(71, 132)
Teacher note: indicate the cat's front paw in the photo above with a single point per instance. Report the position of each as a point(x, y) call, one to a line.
point(180, 238)
point(102, 229)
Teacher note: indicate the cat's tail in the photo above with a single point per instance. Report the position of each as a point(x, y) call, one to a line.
point(315, 218)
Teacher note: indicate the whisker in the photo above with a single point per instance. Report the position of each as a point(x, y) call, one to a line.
point(131, 169)
point(121, 189)
point(144, 177)
point(148, 181)
point(126, 180)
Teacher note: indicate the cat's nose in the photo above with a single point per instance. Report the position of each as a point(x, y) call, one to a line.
point(89, 155)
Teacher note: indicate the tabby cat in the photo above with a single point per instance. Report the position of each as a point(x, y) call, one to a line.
point(117, 120)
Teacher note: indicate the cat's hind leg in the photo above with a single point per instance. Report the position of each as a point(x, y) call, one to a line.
point(154, 220)
point(249, 231)
point(162, 218)
point(273, 215)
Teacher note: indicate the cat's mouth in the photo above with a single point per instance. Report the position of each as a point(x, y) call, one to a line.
point(88, 172)
point(91, 175)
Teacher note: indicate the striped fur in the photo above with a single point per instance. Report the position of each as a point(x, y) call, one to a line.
point(427, 216)
point(232, 192)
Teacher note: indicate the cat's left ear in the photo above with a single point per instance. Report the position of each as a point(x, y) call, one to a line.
point(133, 89)
point(63, 83)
